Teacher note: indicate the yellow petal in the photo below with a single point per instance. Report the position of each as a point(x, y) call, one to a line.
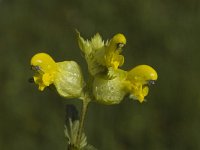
point(145, 91)
point(47, 79)
point(41, 87)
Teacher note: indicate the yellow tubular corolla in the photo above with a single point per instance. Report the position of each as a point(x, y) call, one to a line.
point(45, 68)
point(139, 78)
point(112, 57)
point(44, 61)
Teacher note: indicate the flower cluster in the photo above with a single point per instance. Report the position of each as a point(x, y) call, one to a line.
point(111, 84)
point(66, 75)
point(108, 85)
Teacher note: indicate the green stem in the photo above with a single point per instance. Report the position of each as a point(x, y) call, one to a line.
point(83, 113)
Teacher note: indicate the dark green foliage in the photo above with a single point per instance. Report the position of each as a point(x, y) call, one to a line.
point(163, 34)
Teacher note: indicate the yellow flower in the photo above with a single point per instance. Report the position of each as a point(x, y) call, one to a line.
point(112, 51)
point(45, 68)
point(101, 56)
point(134, 82)
point(66, 75)
point(138, 80)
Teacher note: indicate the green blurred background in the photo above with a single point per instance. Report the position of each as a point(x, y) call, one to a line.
point(163, 34)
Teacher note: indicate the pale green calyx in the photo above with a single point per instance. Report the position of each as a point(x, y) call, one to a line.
point(69, 80)
point(110, 90)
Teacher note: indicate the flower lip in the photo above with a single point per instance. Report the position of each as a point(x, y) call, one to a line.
point(151, 82)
